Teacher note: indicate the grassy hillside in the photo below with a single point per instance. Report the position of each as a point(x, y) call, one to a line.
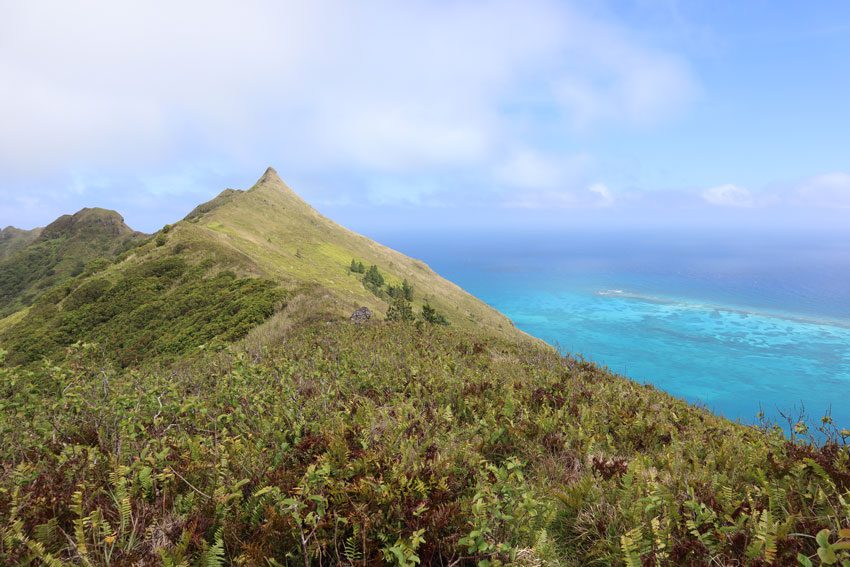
point(62, 250)
point(209, 402)
point(13, 239)
point(233, 259)
point(396, 443)
point(283, 238)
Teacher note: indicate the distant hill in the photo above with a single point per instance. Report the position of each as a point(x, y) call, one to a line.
point(13, 239)
point(62, 250)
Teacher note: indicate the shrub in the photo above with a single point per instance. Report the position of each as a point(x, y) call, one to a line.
point(373, 276)
point(160, 308)
point(400, 310)
point(350, 444)
point(431, 315)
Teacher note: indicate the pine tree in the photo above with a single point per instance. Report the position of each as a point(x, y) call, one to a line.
point(400, 310)
point(432, 316)
point(407, 290)
point(374, 277)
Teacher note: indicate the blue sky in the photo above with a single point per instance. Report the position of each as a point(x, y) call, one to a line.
point(432, 113)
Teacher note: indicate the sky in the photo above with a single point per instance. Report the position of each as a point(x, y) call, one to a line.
point(432, 113)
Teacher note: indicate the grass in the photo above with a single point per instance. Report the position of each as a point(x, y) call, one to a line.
point(13, 319)
point(332, 443)
point(292, 243)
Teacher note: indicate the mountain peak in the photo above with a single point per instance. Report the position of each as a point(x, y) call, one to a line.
point(270, 188)
point(270, 177)
point(96, 220)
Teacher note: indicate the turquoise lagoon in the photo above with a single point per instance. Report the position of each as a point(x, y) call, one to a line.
point(744, 324)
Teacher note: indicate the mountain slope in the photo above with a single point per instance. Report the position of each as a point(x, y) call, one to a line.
point(281, 237)
point(60, 251)
point(391, 443)
point(13, 239)
point(211, 278)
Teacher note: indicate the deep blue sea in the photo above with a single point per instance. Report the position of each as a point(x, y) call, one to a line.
point(738, 322)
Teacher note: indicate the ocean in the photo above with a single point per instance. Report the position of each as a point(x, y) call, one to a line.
point(739, 322)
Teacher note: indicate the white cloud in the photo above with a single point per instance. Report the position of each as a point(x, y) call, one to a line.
point(594, 196)
point(617, 78)
point(376, 85)
point(530, 169)
point(538, 180)
point(819, 192)
point(606, 198)
point(728, 195)
point(827, 190)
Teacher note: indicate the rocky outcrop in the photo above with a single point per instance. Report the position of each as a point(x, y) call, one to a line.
point(361, 315)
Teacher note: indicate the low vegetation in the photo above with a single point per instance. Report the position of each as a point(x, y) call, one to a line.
point(14, 239)
point(157, 309)
point(392, 442)
point(201, 398)
point(61, 251)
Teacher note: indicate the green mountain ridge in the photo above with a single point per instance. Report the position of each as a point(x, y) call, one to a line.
point(201, 397)
point(280, 236)
point(13, 239)
point(59, 251)
point(260, 249)
point(87, 222)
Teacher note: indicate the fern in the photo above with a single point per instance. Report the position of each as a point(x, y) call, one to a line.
point(146, 480)
point(352, 549)
point(47, 533)
point(660, 539)
point(765, 539)
point(121, 497)
point(214, 555)
point(15, 532)
point(176, 556)
point(630, 544)
point(37, 549)
point(80, 524)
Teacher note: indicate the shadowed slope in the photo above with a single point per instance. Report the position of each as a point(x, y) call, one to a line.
point(61, 251)
point(13, 239)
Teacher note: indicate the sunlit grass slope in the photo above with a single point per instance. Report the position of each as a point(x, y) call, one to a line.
point(274, 233)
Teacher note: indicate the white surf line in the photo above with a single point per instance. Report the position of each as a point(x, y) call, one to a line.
point(785, 316)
